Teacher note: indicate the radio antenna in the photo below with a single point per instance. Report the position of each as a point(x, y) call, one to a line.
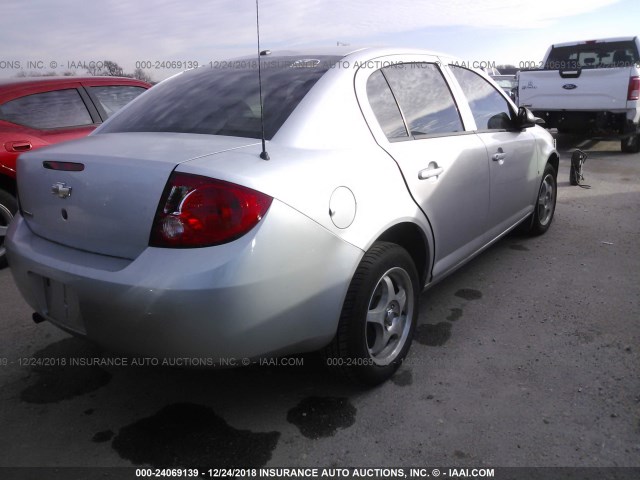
point(263, 155)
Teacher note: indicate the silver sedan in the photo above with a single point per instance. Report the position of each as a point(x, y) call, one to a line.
point(208, 221)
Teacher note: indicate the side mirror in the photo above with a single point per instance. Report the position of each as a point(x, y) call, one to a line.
point(527, 119)
point(501, 121)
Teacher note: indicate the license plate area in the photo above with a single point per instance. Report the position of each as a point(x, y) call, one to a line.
point(59, 303)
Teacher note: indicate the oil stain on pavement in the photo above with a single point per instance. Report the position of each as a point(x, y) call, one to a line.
point(56, 379)
point(318, 417)
point(433, 335)
point(403, 378)
point(189, 434)
point(436, 335)
point(103, 436)
point(469, 294)
point(456, 313)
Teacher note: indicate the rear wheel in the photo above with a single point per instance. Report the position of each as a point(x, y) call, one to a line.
point(378, 316)
point(631, 144)
point(8, 208)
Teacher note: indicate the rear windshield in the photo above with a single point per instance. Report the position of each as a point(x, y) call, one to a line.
point(224, 99)
point(593, 55)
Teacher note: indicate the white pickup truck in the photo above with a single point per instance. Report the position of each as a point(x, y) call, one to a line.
point(588, 87)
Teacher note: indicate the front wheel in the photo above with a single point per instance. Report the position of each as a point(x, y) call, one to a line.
point(378, 316)
point(8, 208)
point(545, 202)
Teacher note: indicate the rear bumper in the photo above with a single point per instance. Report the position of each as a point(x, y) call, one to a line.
point(277, 290)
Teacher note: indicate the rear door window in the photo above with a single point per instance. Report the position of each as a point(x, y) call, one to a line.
point(385, 107)
point(424, 98)
point(47, 110)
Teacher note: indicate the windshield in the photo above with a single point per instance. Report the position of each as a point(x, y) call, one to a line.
point(224, 99)
point(593, 55)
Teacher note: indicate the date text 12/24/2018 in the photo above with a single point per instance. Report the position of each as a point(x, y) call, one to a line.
point(305, 473)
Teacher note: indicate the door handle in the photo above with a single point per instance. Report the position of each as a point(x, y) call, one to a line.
point(499, 156)
point(430, 172)
point(21, 146)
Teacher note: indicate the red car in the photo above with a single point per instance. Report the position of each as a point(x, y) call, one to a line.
point(35, 112)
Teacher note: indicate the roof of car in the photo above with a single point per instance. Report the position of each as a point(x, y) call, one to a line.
point(344, 51)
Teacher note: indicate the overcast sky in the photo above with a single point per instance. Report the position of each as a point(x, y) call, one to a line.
point(64, 33)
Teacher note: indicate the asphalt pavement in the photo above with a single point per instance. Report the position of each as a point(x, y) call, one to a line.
point(528, 356)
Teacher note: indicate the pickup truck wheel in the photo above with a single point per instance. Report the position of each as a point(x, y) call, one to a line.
point(378, 317)
point(631, 144)
point(545, 202)
point(8, 208)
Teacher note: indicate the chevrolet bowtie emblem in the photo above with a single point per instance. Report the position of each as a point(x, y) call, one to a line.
point(61, 190)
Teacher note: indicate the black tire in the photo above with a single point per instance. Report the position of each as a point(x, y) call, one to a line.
point(545, 206)
point(376, 327)
point(8, 208)
point(630, 144)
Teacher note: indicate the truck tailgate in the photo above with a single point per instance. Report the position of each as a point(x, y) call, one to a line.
point(590, 89)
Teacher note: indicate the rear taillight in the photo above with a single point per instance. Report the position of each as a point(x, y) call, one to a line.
point(197, 211)
point(634, 88)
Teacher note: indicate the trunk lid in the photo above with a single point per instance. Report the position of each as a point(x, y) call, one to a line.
point(100, 194)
